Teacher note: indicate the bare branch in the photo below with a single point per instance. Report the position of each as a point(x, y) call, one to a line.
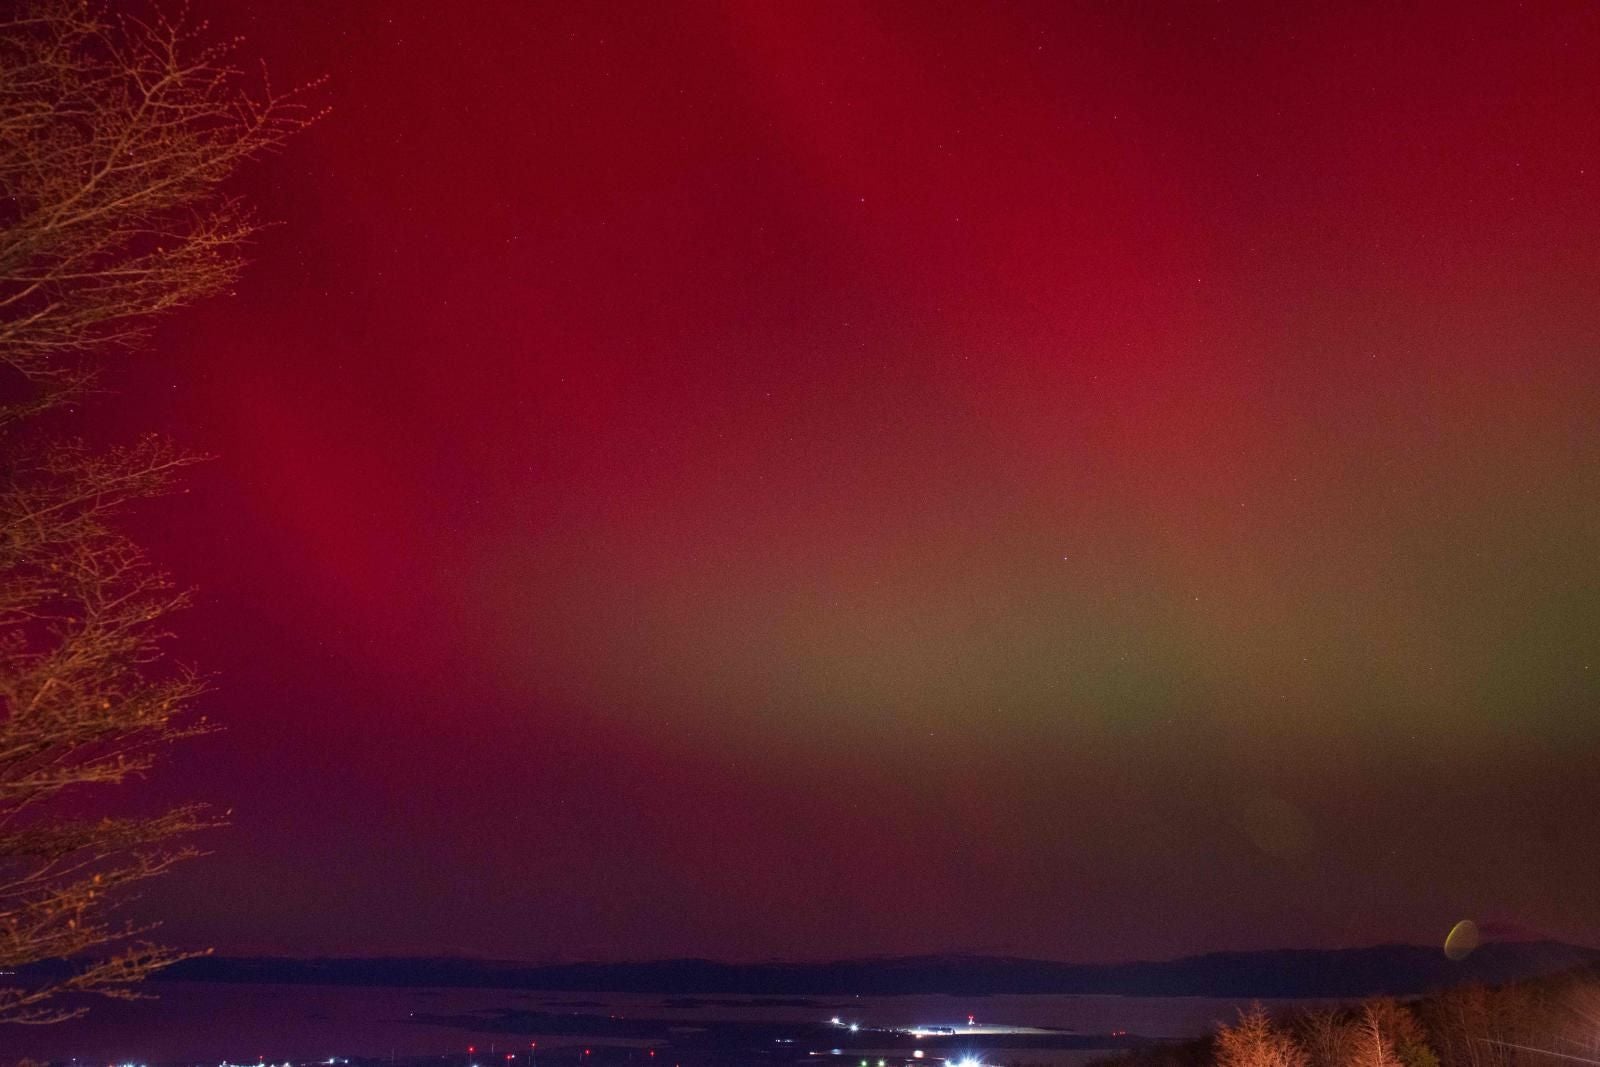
point(117, 134)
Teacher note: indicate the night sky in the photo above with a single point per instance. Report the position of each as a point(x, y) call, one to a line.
point(1082, 480)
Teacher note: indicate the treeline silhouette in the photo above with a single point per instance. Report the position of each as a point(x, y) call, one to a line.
point(1541, 1022)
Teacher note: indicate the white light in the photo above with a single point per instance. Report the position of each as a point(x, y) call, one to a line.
point(917, 1055)
point(854, 1027)
point(835, 1021)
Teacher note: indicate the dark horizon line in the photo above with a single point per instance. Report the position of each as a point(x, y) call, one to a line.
point(952, 956)
point(1392, 969)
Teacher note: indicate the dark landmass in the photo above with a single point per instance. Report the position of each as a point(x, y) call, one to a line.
point(1360, 972)
point(725, 1002)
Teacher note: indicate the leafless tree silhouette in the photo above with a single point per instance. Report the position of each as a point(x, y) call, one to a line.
point(117, 135)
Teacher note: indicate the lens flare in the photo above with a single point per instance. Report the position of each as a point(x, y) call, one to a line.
point(1461, 940)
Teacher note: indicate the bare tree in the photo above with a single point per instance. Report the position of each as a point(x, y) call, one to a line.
point(1326, 1035)
point(1371, 1045)
point(1399, 1026)
point(1483, 1026)
point(1256, 1041)
point(117, 135)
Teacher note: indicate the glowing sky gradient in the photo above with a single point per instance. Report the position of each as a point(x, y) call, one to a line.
point(1080, 480)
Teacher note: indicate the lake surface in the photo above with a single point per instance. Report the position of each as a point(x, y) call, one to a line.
point(194, 1022)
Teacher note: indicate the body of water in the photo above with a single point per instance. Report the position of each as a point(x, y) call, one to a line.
point(210, 1023)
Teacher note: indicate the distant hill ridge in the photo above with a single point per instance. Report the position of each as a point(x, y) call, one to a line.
point(1355, 972)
